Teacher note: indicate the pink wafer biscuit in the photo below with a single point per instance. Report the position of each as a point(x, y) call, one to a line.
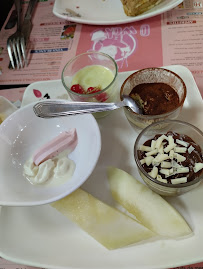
point(64, 141)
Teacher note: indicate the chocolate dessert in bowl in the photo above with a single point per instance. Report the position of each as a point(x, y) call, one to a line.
point(170, 160)
point(158, 91)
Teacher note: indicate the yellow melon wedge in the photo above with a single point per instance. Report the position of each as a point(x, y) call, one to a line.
point(106, 224)
point(148, 207)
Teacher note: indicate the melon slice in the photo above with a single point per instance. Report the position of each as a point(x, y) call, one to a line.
point(106, 224)
point(148, 207)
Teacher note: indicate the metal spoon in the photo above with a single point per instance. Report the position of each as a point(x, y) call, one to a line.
point(58, 108)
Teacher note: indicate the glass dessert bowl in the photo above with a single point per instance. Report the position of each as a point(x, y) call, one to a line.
point(91, 77)
point(170, 160)
point(158, 91)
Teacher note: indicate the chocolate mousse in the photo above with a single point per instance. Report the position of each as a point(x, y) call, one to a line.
point(155, 98)
point(171, 158)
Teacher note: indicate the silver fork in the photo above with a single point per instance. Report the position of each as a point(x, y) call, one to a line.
point(27, 27)
point(15, 43)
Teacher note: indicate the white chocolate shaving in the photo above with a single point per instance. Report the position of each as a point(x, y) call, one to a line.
point(165, 172)
point(181, 142)
point(179, 157)
point(190, 149)
point(148, 160)
point(153, 144)
point(155, 163)
point(175, 164)
point(198, 167)
point(171, 171)
point(142, 161)
point(160, 140)
point(152, 152)
point(161, 157)
point(180, 149)
point(179, 180)
point(161, 149)
point(170, 140)
point(159, 178)
point(166, 165)
point(145, 148)
point(182, 170)
point(169, 147)
point(171, 154)
point(154, 172)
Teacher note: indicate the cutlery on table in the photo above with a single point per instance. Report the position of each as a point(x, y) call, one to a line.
point(17, 42)
point(58, 108)
point(14, 42)
point(27, 26)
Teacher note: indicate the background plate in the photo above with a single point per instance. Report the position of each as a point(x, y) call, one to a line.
point(104, 12)
point(41, 236)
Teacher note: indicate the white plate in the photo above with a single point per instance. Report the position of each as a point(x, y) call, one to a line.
point(104, 12)
point(22, 133)
point(41, 236)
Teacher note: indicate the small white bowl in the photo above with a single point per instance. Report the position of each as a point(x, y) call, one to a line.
point(21, 134)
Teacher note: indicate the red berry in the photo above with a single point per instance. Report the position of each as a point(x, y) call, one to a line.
point(77, 88)
point(102, 97)
point(93, 90)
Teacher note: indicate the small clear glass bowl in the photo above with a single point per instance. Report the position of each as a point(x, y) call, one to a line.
point(167, 189)
point(153, 75)
point(90, 59)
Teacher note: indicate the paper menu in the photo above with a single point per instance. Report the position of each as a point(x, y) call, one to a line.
point(182, 38)
point(52, 43)
point(133, 46)
point(175, 37)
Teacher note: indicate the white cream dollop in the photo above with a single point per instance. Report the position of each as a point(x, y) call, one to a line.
point(44, 172)
point(51, 171)
point(50, 163)
point(64, 166)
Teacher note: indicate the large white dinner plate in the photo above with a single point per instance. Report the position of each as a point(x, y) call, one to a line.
point(41, 236)
point(104, 12)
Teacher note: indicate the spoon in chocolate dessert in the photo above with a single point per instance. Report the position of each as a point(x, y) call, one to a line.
point(58, 108)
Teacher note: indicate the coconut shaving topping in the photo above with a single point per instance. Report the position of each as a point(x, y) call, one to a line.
point(171, 158)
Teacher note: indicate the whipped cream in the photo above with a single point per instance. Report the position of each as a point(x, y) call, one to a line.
point(50, 164)
point(52, 171)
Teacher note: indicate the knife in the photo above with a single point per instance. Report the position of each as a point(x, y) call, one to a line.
point(27, 27)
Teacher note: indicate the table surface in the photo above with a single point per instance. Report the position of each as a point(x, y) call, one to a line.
point(15, 91)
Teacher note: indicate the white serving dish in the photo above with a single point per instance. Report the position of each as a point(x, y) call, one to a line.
point(41, 236)
point(104, 12)
point(21, 134)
